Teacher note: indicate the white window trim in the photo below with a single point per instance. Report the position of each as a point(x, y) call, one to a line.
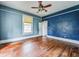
point(23, 25)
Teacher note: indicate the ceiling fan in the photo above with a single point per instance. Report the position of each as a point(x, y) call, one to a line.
point(41, 7)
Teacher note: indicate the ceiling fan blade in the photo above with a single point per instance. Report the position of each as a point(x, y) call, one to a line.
point(47, 6)
point(34, 7)
point(40, 2)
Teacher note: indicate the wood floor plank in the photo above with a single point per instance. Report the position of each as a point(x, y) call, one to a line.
point(39, 47)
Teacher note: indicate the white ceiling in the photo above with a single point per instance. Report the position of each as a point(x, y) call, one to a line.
point(26, 6)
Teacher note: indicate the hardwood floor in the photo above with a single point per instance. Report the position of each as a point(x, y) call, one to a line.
point(39, 47)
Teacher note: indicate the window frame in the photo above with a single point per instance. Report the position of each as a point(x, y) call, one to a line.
point(25, 33)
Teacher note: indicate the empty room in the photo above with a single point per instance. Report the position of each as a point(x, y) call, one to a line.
point(39, 28)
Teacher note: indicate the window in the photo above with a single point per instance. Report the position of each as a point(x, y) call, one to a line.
point(28, 23)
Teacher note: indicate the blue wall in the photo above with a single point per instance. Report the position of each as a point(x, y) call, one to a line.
point(11, 23)
point(64, 26)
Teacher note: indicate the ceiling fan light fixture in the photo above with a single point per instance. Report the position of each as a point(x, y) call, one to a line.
point(41, 7)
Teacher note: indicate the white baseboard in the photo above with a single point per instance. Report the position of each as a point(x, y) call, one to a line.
point(53, 37)
point(64, 39)
point(17, 39)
